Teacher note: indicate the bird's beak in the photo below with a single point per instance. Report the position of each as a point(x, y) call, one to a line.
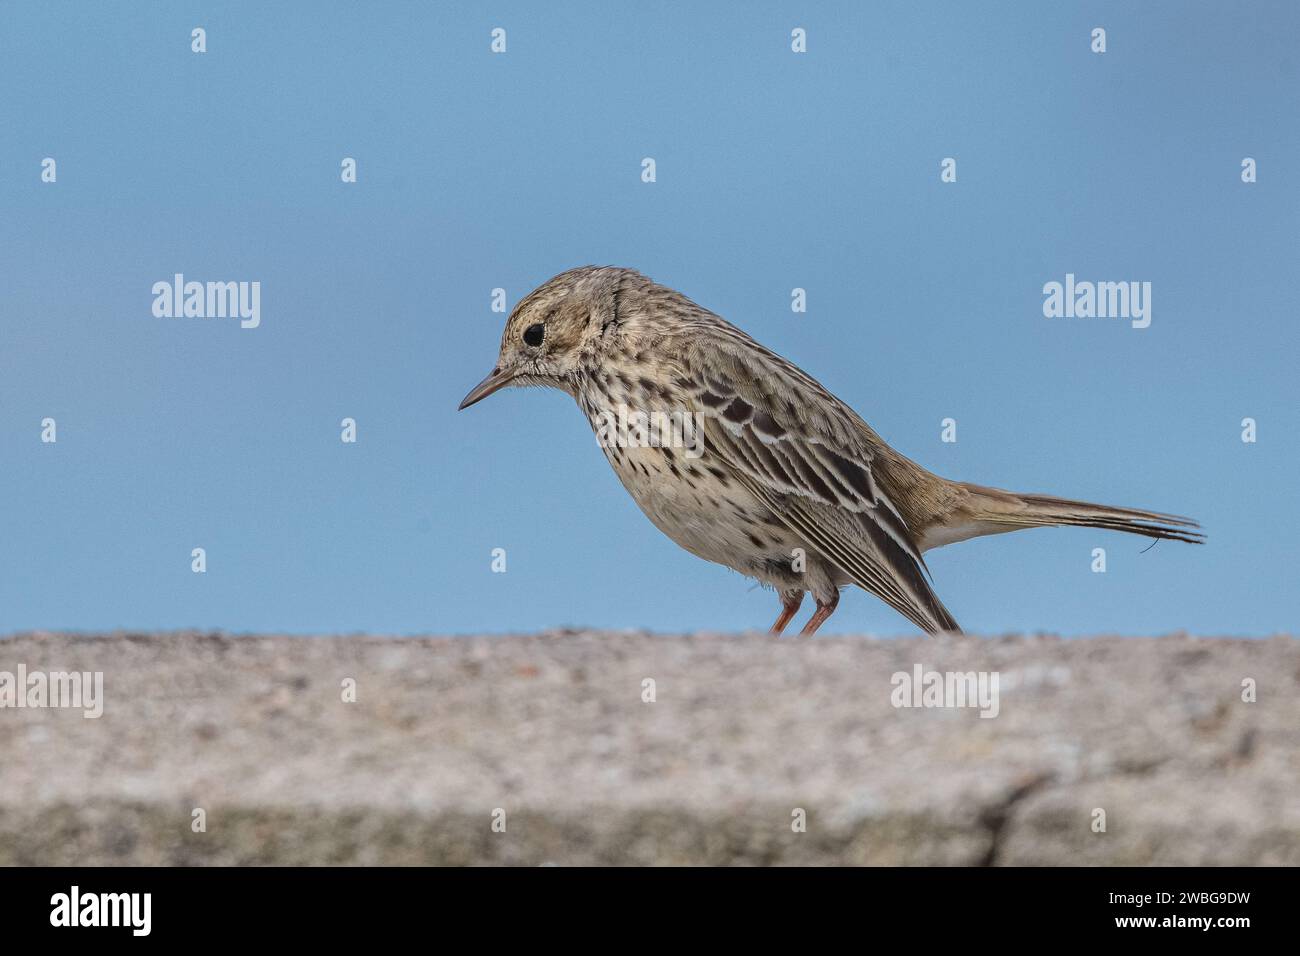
point(496, 379)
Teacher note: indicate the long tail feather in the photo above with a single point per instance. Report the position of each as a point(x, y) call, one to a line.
point(1008, 511)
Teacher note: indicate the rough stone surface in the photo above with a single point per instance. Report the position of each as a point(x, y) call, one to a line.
point(552, 729)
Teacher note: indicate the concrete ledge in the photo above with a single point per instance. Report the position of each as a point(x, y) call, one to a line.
point(552, 729)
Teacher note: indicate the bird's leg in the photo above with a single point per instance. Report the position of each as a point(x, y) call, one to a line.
point(824, 610)
point(790, 601)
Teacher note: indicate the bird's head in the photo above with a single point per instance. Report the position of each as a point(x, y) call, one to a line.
point(559, 329)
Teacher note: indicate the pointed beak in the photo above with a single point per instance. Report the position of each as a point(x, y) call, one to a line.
point(496, 379)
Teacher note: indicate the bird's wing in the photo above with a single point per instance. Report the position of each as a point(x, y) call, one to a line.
point(808, 457)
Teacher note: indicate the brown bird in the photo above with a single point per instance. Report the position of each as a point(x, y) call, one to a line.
point(744, 459)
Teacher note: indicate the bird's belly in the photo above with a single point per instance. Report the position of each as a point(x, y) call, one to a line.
point(713, 517)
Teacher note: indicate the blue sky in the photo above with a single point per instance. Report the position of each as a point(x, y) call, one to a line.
point(775, 170)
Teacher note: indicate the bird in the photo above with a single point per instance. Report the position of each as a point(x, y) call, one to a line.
point(780, 480)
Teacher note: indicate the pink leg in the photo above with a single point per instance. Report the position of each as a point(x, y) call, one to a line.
point(790, 601)
point(824, 610)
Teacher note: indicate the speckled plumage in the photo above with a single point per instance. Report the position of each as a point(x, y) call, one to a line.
point(792, 487)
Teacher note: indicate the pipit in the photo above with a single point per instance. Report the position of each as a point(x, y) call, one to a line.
point(764, 470)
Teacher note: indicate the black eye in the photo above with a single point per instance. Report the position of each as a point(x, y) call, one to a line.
point(534, 334)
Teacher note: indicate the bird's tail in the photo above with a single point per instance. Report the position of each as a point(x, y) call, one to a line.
point(996, 510)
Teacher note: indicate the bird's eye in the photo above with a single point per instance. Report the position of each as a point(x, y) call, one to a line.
point(534, 334)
